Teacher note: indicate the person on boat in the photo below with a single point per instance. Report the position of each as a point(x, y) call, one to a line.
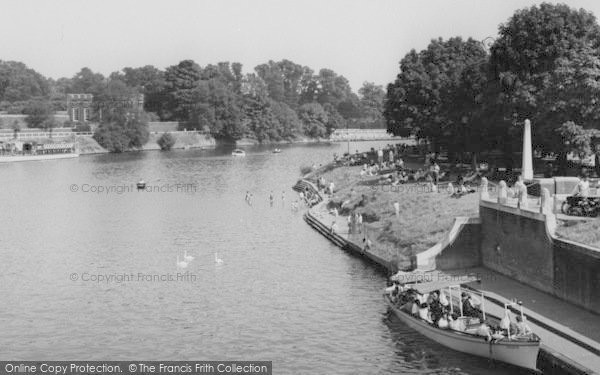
point(436, 309)
point(444, 321)
point(522, 328)
point(484, 330)
point(414, 309)
point(424, 313)
point(444, 300)
point(468, 308)
point(457, 324)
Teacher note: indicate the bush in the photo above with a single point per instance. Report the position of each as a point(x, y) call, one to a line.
point(121, 133)
point(305, 169)
point(166, 141)
point(79, 128)
point(39, 114)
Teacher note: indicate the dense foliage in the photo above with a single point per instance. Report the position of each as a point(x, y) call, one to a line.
point(166, 141)
point(544, 66)
point(278, 101)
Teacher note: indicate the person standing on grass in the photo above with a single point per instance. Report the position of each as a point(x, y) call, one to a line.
point(359, 222)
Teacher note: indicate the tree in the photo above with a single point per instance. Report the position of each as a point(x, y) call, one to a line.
point(314, 120)
point(38, 113)
point(166, 141)
point(181, 81)
point(87, 82)
point(122, 130)
point(20, 83)
point(422, 100)
point(149, 81)
point(371, 101)
point(545, 63)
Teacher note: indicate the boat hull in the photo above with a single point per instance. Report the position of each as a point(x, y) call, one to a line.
point(518, 353)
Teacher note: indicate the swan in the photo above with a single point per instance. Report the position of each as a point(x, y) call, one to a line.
point(217, 259)
point(186, 257)
point(181, 264)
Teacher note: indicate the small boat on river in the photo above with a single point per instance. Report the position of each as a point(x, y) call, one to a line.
point(237, 152)
point(277, 151)
point(521, 351)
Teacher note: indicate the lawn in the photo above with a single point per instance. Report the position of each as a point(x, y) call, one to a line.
point(586, 232)
point(425, 216)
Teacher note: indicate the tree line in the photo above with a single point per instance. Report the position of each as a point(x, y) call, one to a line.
point(279, 100)
point(469, 97)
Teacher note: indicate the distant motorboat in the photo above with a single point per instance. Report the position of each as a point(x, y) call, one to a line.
point(238, 152)
point(141, 184)
point(276, 151)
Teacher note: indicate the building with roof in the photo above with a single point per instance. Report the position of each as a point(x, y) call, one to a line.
point(79, 107)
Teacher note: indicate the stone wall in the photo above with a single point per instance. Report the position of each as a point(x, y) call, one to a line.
point(515, 242)
point(521, 244)
point(577, 274)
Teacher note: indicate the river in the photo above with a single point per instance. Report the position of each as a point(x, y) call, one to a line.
point(85, 262)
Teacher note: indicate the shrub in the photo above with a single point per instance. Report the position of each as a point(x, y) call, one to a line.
point(82, 128)
point(166, 141)
point(305, 169)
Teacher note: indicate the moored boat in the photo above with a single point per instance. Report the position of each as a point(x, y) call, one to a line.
point(238, 152)
point(511, 349)
point(276, 151)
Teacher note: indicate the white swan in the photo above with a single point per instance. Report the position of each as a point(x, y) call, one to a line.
point(181, 264)
point(217, 259)
point(186, 257)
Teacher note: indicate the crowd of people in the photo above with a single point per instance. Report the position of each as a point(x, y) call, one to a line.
point(435, 309)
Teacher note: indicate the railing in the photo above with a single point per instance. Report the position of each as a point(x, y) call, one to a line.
point(27, 135)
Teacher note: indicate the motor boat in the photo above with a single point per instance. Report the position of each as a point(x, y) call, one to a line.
point(277, 151)
point(141, 184)
point(238, 152)
point(521, 351)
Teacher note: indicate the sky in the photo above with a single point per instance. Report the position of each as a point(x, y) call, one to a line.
point(363, 40)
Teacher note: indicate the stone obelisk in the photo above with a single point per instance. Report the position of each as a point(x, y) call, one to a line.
point(527, 166)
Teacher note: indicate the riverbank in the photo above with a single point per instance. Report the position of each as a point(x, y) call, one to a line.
point(424, 218)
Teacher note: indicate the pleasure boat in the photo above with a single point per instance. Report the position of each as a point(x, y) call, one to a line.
point(238, 152)
point(276, 151)
point(521, 351)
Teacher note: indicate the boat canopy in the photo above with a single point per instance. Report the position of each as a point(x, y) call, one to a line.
point(428, 287)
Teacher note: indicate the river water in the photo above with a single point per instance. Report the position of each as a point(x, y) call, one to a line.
point(85, 275)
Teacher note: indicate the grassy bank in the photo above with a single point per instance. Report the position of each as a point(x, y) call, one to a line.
point(425, 216)
point(586, 232)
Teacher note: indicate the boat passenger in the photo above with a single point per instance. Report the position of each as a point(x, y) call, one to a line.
point(424, 313)
point(522, 328)
point(484, 330)
point(457, 324)
point(444, 300)
point(415, 306)
point(468, 308)
point(435, 307)
point(443, 321)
